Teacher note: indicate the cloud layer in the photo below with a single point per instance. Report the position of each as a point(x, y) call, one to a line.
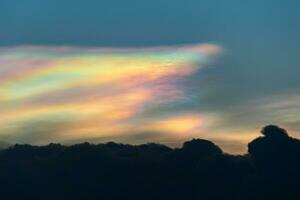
point(63, 93)
point(135, 95)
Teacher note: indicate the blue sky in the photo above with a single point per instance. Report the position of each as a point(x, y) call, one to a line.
point(254, 82)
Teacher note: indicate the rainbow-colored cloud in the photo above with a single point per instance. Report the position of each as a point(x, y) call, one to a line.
point(63, 93)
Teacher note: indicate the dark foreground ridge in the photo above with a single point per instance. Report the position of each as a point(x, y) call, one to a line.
point(198, 170)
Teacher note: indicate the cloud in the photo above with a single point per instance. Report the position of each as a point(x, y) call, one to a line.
point(176, 92)
point(71, 93)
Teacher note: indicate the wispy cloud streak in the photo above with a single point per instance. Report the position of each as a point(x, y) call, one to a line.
point(96, 92)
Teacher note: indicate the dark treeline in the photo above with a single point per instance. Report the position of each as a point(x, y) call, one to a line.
point(198, 170)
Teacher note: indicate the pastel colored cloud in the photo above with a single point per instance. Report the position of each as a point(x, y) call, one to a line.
point(97, 92)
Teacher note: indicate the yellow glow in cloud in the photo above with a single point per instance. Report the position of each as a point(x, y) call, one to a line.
point(96, 91)
point(186, 124)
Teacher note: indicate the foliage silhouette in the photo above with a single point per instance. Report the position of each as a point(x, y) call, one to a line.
point(198, 170)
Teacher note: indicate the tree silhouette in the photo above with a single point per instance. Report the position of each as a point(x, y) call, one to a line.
point(198, 170)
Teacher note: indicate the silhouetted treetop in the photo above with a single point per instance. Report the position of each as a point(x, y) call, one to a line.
point(275, 142)
point(112, 171)
point(274, 131)
point(201, 147)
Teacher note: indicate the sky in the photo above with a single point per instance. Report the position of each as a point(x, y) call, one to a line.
point(148, 71)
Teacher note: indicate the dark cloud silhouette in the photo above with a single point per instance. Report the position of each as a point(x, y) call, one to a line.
point(198, 170)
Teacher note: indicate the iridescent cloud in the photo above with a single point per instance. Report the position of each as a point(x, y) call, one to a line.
point(64, 93)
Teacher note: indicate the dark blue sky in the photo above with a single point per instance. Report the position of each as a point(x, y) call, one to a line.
point(261, 38)
point(265, 23)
